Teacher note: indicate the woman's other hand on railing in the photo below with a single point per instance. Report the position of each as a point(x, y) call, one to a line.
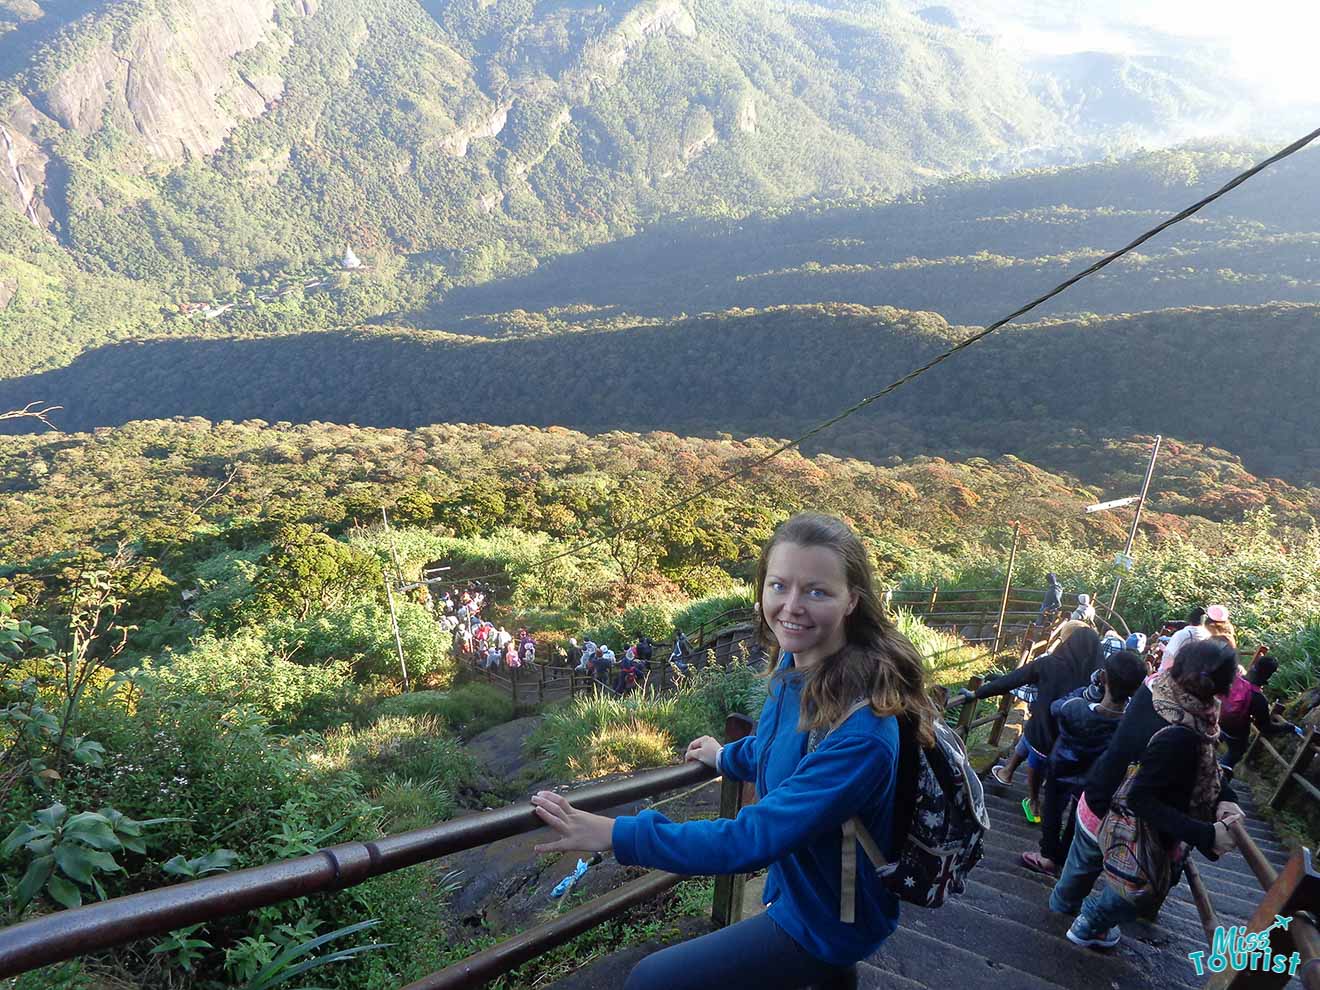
point(579, 831)
point(704, 750)
point(960, 697)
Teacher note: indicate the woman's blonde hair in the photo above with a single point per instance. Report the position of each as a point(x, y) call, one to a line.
point(1221, 630)
point(877, 663)
point(1064, 633)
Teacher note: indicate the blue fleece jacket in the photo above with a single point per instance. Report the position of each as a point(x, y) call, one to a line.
point(795, 825)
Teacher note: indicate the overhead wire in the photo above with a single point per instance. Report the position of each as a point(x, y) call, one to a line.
point(938, 359)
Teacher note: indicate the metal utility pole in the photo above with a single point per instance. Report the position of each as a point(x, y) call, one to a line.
point(394, 624)
point(1008, 584)
point(1132, 533)
point(389, 595)
point(394, 556)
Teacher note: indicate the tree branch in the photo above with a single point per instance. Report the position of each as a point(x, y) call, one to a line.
point(33, 410)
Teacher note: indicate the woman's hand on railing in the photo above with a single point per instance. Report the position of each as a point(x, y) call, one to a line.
point(1225, 841)
point(579, 831)
point(960, 697)
point(1225, 810)
point(704, 750)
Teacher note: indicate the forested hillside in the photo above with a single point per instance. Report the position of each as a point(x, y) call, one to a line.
point(199, 148)
point(1237, 378)
point(202, 607)
point(970, 250)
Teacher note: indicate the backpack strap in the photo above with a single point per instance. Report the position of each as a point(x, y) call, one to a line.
point(853, 832)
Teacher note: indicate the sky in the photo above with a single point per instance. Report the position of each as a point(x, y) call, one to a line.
point(1267, 45)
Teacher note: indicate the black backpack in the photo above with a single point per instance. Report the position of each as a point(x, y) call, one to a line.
point(940, 822)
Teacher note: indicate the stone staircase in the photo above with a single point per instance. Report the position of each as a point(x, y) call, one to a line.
point(1001, 935)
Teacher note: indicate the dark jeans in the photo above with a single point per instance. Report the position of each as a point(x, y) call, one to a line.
point(753, 953)
point(1236, 747)
point(1055, 810)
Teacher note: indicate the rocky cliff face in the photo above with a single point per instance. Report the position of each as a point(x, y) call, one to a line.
point(170, 80)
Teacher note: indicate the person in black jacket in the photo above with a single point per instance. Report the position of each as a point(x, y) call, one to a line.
point(1055, 675)
point(1053, 598)
point(1087, 720)
point(1178, 787)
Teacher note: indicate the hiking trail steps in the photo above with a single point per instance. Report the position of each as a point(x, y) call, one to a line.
point(1001, 935)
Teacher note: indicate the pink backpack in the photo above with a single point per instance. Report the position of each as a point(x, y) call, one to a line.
point(1235, 710)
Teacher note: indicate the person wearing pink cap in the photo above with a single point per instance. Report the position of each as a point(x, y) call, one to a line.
point(1215, 622)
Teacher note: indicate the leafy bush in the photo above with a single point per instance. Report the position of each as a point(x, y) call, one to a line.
point(654, 620)
point(691, 616)
point(360, 635)
point(468, 710)
point(245, 670)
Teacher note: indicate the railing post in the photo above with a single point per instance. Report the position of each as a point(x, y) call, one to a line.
point(1006, 702)
point(1300, 764)
point(1276, 709)
point(934, 593)
point(968, 709)
point(727, 908)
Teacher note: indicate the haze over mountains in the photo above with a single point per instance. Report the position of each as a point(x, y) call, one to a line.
point(543, 193)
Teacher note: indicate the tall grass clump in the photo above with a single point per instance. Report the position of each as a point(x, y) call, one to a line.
point(946, 657)
point(1299, 662)
point(582, 739)
point(415, 748)
point(467, 710)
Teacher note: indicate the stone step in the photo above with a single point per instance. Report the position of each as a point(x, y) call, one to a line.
point(874, 978)
point(1140, 937)
point(927, 958)
point(1038, 948)
point(1002, 873)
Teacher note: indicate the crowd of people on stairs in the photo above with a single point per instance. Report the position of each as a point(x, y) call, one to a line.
point(488, 646)
point(1124, 773)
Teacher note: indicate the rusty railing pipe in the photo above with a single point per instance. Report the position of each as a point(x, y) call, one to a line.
point(66, 934)
point(477, 969)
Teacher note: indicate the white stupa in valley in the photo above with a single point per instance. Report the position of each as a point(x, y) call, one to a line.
point(351, 260)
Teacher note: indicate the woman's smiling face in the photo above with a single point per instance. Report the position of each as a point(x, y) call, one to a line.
point(806, 600)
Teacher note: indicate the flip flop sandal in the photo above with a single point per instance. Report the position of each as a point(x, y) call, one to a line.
point(996, 770)
point(1036, 864)
point(1026, 810)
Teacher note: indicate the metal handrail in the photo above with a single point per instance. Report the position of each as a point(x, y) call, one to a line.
point(66, 934)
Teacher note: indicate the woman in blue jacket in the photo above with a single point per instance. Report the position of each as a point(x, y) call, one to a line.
point(818, 605)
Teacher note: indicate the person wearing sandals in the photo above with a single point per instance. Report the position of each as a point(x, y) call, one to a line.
point(1055, 675)
point(1169, 732)
point(1087, 720)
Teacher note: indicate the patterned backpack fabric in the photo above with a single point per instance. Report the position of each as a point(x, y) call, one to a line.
point(940, 823)
point(1137, 864)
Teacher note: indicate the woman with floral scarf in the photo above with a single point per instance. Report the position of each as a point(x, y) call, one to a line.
point(1177, 789)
